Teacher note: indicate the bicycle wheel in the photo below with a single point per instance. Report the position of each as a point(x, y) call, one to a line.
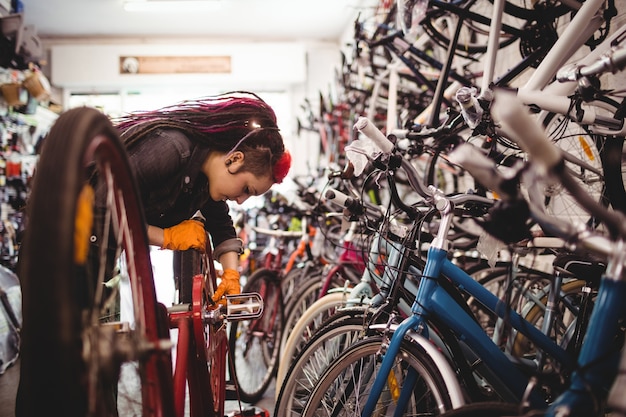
point(566, 316)
point(293, 282)
point(345, 386)
point(338, 333)
point(255, 344)
point(83, 213)
point(516, 292)
point(306, 298)
point(595, 162)
point(204, 374)
point(441, 22)
point(305, 327)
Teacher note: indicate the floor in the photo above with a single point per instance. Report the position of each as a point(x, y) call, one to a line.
point(8, 389)
point(9, 381)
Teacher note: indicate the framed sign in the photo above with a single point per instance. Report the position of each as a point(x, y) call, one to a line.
point(175, 65)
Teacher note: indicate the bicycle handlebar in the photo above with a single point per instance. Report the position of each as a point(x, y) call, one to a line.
point(355, 206)
point(482, 169)
point(520, 127)
point(371, 131)
point(612, 62)
point(364, 126)
point(278, 233)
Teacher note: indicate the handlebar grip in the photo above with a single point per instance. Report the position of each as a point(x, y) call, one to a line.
point(479, 166)
point(613, 62)
point(352, 204)
point(336, 197)
point(524, 130)
point(366, 127)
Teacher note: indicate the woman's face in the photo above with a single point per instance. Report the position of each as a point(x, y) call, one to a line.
point(228, 182)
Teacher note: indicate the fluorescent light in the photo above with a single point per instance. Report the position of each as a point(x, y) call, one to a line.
point(172, 6)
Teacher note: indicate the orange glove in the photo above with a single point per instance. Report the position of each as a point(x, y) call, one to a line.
point(229, 285)
point(189, 234)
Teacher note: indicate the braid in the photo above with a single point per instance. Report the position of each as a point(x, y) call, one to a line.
point(234, 121)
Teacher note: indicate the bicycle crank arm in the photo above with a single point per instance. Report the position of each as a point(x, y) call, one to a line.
point(244, 306)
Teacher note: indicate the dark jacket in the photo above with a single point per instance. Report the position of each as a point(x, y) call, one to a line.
point(167, 166)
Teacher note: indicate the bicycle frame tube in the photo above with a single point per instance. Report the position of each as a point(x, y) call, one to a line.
point(432, 300)
point(573, 37)
point(582, 26)
point(599, 358)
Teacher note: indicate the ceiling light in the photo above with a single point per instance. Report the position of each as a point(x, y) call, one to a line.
point(170, 6)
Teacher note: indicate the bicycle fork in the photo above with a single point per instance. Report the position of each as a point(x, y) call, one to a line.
point(414, 321)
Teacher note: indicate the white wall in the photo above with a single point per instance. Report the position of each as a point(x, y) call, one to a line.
point(96, 66)
point(283, 73)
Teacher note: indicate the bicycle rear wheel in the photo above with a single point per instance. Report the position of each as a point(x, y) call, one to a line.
point(83, 213)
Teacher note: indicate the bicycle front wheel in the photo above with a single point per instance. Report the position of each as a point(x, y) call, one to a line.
point(345, 386)
point(83, 214)
point(334, 336)
point(255, 344)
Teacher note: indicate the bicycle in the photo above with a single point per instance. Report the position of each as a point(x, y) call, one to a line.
point(596, 369)
point(589, 129)
point(74, 344)
point(255, 343)
point(408, 368)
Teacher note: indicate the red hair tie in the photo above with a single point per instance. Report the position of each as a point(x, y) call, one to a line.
point(281, 167)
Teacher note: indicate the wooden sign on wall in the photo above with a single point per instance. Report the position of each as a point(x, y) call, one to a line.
point(175, 64)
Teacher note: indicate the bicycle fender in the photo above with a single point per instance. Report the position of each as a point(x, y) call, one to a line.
point(439, 359)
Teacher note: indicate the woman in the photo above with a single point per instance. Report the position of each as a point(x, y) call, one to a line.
point(194, 156)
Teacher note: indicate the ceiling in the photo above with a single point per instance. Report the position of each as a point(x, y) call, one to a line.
point(324, 20)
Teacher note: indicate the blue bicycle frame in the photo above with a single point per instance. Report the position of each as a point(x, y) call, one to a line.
point(433, 301)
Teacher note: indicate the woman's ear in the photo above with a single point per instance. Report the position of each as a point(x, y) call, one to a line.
point(234, 160)
point(236, 157)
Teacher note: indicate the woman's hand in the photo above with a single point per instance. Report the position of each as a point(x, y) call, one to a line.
point(229, 286)
point(189, 234)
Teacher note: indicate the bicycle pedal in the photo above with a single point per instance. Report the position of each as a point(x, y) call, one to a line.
point(244, 306)
point(250, 412)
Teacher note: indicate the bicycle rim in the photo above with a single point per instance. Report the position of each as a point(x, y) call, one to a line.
point(345, 386)
point(595, 169)
point(305, 327)
point(73, 345)
point(340, 332)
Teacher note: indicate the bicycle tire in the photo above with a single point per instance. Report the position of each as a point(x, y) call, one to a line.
point(361, 361)
point(206, 370)
point(305, 327)
point(292, 282)
point(333, 337)
point(255, 344)
point(186, 265)
point(474, 32)
point(296, 280)
point(306, 298)
point(604, 180)
point(69, 361)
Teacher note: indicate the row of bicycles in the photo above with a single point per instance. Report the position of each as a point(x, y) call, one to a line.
point(467, 265)
point(493, 251)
